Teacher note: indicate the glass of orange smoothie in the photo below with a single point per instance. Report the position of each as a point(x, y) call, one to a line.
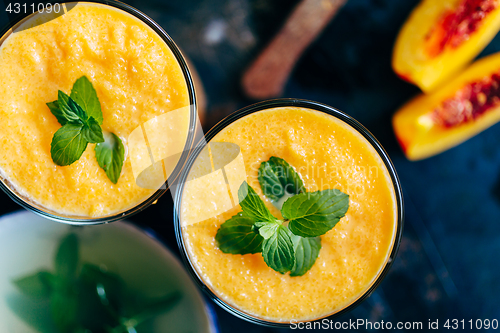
point(146, 96)
point(330, 152)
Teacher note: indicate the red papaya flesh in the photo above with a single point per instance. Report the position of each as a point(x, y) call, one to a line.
point(441, 37)
point(470, 103)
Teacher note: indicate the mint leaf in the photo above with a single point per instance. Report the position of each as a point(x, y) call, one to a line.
point(57, 112)
point(67, 257)
point(278, 178)
point(84, 94)
point(313, 214)
point(110, 155)
point(92, 132)
point(70, 109)
point(80, 125)
point(64, 298)
point(293, 248)
point(64, 309)
point(306, 252)
point(269, 182)
point(278, 250)
point(108, 287)
point(257, 225)
point(68, 144)
point(37, 285)
point(267, 229)
point(252, 205)
point(237, 237)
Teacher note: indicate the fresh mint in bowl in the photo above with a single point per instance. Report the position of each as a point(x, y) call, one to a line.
point(111, 279)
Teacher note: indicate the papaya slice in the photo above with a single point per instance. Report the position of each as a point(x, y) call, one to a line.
point(441, 37)
point(432, 123)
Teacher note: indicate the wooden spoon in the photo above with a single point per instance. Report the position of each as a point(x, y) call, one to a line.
point(268, 74)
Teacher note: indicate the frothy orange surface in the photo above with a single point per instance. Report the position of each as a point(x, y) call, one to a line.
point(136, 77)
point(329, 154)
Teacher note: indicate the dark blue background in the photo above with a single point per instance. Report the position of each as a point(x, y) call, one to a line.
point(448, 263)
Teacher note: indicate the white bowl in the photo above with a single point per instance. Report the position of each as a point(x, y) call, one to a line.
point(28, 244)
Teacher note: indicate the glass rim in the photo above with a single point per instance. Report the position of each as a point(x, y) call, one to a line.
point(82, 220)
point(276, 103)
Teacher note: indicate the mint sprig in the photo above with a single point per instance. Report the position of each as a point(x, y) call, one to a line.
point(92, 132)
point(37, 285)
point(278, 178)
point(71, 110)
point(110, 155)
point(267, 229)
point(289, 245)
point(313, 214)
point(84, 94)
point(277, 250)
point(68, 144)
point(237, 237)
point(67, 257)
point(81, 118)
point(306, 252)
point(85, 298)
point(252, 205)
point(57, 112)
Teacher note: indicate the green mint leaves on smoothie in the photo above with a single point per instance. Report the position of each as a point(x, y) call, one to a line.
point(236, 236)
point(252, 205)
point(267, 229)
point(81, 118)
point(84, 94)
point(313, 214)
point(278, 178)
point(71, 110)
point(292, 244)
point(84, 297)
point(110, 155)
point(306, 251)
point(57, 112)
point(78, 129)
point(277, 250)
point(68, 144)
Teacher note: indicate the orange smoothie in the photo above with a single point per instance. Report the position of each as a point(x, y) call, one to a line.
point(328, 154)
point(136, 77)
